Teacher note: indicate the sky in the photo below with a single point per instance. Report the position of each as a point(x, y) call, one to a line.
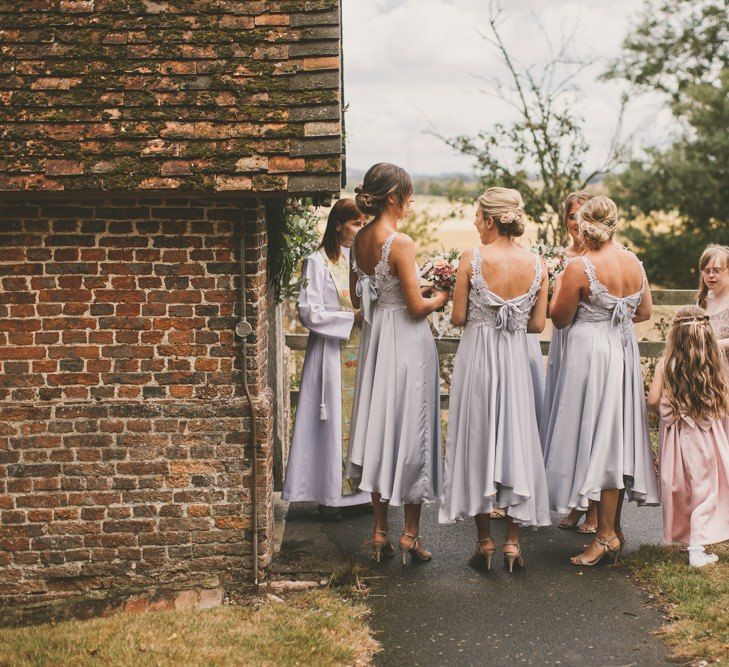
point(411, 66)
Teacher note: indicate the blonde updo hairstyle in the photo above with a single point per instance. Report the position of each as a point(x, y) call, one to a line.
point(577, 197)
point(506, 208)
point(598, 219)
point(711, 252)
point(381, 181)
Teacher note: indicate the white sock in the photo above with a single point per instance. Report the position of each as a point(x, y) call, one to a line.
point(698, 556)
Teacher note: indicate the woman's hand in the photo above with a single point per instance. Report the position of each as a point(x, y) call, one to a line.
point(426, 291)
point(441, 297)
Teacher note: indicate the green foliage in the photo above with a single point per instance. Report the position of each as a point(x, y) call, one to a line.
point(679, 48)
point(422, 227)
point(298, 237)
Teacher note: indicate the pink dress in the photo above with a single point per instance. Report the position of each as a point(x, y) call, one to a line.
point(694, 478)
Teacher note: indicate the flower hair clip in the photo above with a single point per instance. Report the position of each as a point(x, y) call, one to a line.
point(699, 319)
point(507, 218)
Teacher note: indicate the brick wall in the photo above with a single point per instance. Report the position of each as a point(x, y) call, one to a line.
point(123, 423)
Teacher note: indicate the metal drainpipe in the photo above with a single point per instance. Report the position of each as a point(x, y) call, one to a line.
point(244, 329)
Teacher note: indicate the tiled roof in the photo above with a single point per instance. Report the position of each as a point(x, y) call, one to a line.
point(211, 95)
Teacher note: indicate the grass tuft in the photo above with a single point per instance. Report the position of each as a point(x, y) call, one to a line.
point(314, 627)
point(697, 600)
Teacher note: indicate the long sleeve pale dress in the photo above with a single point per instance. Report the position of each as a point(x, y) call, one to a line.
point(314, 470)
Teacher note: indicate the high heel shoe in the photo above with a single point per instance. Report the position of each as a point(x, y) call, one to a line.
point(511, 558)
point(482, 554)
point(381, 549)
point(414, 552)
point(607, 548)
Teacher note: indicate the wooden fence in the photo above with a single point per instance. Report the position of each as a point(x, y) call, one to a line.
point(648, 349)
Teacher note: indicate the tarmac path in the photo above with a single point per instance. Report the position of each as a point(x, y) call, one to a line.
point(446, 613)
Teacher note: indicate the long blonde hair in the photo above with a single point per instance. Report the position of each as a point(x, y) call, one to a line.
point(694, 380)
point(711, 252)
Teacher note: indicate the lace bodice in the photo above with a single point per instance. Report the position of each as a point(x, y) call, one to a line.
point(488, 309)
point(720, 323)
point(382, 290)
point(605, 307)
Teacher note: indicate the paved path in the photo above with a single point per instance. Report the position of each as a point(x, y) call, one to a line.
point(446, 613)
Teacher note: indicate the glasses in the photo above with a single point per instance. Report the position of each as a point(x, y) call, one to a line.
point(712, 271)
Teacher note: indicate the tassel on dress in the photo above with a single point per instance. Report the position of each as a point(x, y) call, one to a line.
point(323, 412)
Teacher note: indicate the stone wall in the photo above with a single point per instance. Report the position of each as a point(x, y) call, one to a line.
point(124, 465)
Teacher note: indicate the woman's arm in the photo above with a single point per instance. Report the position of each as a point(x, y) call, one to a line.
point(656, 390)
point(403, 261)
point(460, 292)
point(538, 317)
point(353, 278)
point(566, 299)
point(315, 316)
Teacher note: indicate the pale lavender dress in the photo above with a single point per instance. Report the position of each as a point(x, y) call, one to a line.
point(554, 360)
point(394, 444)
point(597, 436)
point(493, 456)
point(536, 368)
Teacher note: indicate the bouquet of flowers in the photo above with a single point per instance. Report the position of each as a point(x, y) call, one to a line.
point(440, 269)
point(555, 257)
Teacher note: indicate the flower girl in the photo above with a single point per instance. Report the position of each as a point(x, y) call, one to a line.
point(690, 393)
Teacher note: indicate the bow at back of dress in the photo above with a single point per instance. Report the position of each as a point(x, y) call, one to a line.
point(381, 289)
point(488, 308)
point(603, 306)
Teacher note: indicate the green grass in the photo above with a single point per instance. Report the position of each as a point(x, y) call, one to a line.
point(697, 600)
point(316, 627)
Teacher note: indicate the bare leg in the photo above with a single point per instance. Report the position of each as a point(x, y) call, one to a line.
point(485, 546)
point(512, 547)
point(412, 528)
point(571, 520)
point(381, 527)
point(606, 513)
point(589, 525)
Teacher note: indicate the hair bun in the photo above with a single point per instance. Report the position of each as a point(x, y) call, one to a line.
point(506, 208)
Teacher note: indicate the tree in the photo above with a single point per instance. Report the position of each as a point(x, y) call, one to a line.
point(679, 48)
point(543, 152)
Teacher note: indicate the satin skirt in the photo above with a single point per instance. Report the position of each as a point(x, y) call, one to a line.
point(694, 480)
point(536, 367)
point(493, 455)
point(597, 436)
point(395, 443)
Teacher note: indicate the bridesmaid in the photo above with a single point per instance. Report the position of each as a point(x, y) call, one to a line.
point(714, 297)
point(571, 206)
point(315, 469)
point(598, 444)
point(714, 291)
point(394, 448)
point(493, 455)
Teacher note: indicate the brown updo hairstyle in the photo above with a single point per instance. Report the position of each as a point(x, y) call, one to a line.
point(381, 181)
point(598, 219)
point(345, 210)
point(577, 197)
point(711, 252)
point(506, 208)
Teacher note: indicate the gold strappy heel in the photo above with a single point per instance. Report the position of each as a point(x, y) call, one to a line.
point(414, 553)
point(511, 558)
point(482, 554)
point(581, 561)
point(381, 549)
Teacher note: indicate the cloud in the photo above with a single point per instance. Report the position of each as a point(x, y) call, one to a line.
point(415, 65)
